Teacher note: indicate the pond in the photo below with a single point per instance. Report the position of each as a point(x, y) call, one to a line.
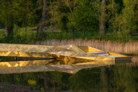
point(110, 78)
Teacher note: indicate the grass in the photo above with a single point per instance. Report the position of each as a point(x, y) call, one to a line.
point(21, 35)
point(135, 38)
point(25, 35)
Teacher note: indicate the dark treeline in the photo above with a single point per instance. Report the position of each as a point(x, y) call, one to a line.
point(99, 17)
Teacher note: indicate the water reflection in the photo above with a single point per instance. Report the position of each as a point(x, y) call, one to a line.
point(45, 65)
point(120, 78)
point(8, 67)
point(113, 78)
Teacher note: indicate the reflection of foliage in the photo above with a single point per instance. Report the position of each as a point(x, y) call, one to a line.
point(32, 82)
point(86, 80)
point(56, 78)
point(125, 78)
point(120, 78)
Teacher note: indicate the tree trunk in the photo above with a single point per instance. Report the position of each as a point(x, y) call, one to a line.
point(8, 30)
point(9, 24)
point(41, 31)
point(51, 3)
point(44, 14)
point(102, 18)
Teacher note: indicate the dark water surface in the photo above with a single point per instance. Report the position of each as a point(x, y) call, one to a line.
point(114, 78)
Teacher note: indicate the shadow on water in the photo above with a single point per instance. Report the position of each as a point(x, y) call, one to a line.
point(113, 78)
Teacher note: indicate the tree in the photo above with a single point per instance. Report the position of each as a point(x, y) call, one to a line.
point(85, 16)
point(58, 11)
point(44, 13)
point(30, 13)
point(6, 16)
point(11, 12)
point(102, 17)
point(125, 21)
point(112, 9)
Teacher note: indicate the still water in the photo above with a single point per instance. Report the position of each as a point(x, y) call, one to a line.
point(113, 78)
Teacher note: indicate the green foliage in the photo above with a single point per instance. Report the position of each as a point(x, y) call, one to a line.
point(74, 18)
point(58, 12)
point(11, 10)
point(124, 22)
point(121, 19)
point(112, 12)
point(85, 16)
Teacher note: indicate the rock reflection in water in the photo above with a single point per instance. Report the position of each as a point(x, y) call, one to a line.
point(46, 65)
point(69, 66)
point(111, 78)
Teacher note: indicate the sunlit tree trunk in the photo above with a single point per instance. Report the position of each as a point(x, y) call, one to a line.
point(102, 18)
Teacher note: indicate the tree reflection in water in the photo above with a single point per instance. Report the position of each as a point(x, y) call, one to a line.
point(120, 78)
